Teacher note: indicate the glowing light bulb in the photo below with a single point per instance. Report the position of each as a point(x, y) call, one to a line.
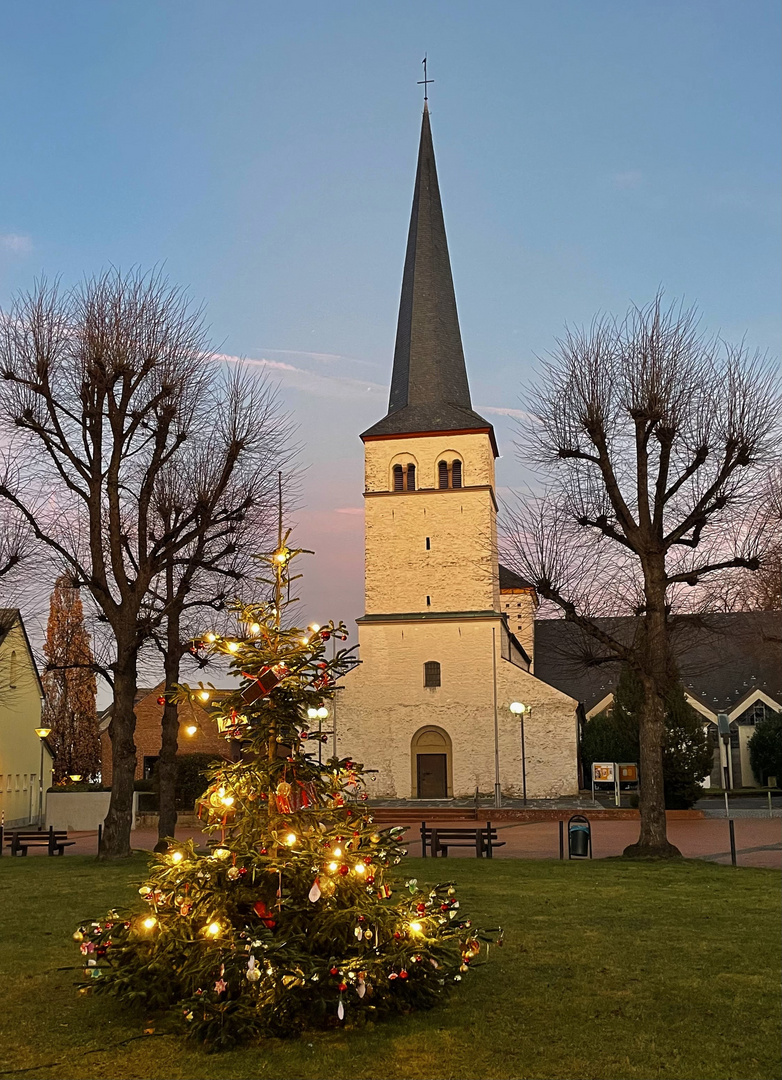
point(204, 695)
point(313, 627)
point(210, 637)
point(227, 800)
point(305, 641)
point(333, 867)
point(232, 646)
point(291, 839)
point(337, 852)
point(149, 923)
point(222, 853)
point(221, 792)
point(191, 729)
point(176, 856)
point(312, 714)
point(213, 929)
point(359, 868)
point(416, 927)
point(281, 556)
point(322, 712)
point(255, 628)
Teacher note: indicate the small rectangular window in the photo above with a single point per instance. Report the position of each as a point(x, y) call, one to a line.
point(428, 544)
point(431, 673)
point(428, 601)
point(24, 781)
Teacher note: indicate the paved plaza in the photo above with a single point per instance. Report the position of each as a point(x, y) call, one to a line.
point(758, 840)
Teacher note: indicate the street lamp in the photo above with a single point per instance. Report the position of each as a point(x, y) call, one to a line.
point(320, 714)
point(42, 733)
point(520, 710)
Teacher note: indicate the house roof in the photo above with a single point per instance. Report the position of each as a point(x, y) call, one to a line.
point(429, 387)
point(104, 718)
point(510, 580)
point(722, 659)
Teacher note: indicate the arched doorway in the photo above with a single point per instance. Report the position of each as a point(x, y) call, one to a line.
point(432, 766)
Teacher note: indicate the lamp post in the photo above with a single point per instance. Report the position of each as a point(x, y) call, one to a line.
point(42, 733)
point(519, 709)
point(320, 715)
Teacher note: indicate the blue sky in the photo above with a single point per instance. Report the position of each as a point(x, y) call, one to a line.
point(265, 153)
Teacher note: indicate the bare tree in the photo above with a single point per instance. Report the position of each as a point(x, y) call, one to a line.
point(103, 386)
point(655, 442)
point(240, 455)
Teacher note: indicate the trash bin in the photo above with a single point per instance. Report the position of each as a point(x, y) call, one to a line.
point(579, 838)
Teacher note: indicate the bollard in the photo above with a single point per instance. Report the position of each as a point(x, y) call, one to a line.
point(732, 842)
point(770, 812)
point(561, 839)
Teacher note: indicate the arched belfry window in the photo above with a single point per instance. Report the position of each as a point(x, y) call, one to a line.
point(449, 473)
point(404, 477)
point(431, 673)
point(12, 670)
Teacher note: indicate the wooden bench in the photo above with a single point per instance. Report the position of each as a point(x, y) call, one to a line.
point(440, 838)
point(55, 839)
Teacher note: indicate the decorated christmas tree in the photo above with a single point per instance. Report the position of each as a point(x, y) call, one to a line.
point(292, 918)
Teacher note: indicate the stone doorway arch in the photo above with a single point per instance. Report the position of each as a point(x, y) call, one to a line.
point(431, 758)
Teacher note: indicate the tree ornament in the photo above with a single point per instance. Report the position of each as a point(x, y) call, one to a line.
point(282, 797)
point(253, 974)
point(315, 892)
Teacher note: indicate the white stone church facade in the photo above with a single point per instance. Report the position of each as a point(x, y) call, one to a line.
point(446, 643)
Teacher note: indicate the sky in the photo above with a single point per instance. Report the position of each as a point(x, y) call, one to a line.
point(264, 155)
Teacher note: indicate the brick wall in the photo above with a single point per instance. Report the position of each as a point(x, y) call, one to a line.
point(149, 714)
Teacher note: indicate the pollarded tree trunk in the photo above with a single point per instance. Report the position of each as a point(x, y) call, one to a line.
point(653, 839)
point(119, 819)
point(167, 764)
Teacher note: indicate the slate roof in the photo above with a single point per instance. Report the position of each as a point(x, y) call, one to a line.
point(429, 388)
point(510, 580)
point(721, 661)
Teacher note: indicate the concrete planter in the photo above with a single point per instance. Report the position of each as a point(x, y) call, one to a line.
point(80, 811)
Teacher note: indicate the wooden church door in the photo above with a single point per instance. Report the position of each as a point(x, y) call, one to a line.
point(432, 776)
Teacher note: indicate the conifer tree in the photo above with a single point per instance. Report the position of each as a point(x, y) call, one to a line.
point(613, 736)
point(70, 686)
point(290, 920)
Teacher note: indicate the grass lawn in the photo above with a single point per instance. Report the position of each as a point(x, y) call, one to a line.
point(611, 970)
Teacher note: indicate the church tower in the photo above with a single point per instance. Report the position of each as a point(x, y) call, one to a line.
point(428, 706)
point(429, 479)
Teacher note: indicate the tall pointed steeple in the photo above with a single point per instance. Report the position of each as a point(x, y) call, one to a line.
point(429, 387)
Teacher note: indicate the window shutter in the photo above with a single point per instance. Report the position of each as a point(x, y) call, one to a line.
point(399, 478)
point(456, 474)
point(442, 474)
point(411, 477)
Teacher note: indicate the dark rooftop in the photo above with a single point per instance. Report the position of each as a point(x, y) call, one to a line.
point(511, 580)
point(721, 661)
point(429, 388)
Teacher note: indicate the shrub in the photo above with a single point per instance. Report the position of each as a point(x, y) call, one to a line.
point(765, 748)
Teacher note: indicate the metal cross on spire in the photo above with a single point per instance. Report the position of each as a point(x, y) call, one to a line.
point(425, 82)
